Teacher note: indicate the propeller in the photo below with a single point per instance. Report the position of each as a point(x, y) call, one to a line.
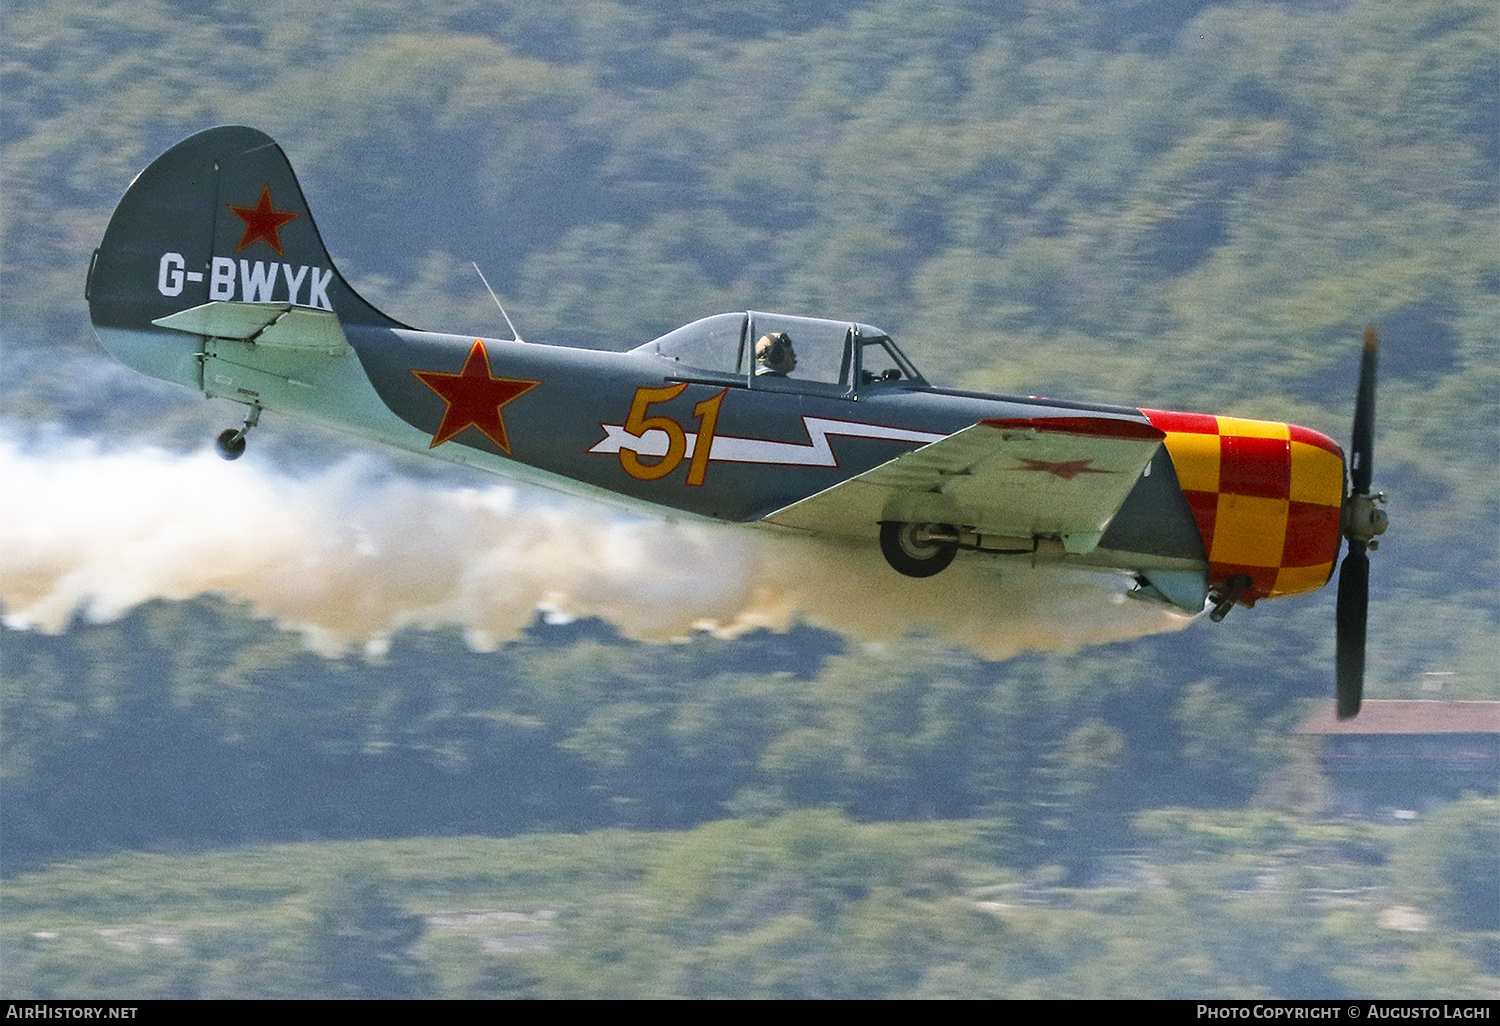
point(1361, 520)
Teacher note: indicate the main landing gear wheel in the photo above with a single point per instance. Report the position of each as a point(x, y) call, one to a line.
point(912, 550)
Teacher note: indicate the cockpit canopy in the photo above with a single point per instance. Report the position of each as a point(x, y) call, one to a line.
point(838, 357)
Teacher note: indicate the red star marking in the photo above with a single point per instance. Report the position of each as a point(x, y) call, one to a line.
point(1067, 471)
point(263, 222)
point(474, 397)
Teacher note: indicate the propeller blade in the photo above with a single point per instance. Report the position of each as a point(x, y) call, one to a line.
point(1353, 605)
point(1362, 521)
point(1363, 441)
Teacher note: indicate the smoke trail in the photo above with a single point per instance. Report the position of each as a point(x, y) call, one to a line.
point(352, 553)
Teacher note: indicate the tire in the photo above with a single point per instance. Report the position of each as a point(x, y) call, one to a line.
point(230, 444)
point(907, 555)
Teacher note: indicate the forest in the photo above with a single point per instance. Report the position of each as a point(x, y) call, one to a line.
point(197, 723)
point(1187, 205)
point(197, 806)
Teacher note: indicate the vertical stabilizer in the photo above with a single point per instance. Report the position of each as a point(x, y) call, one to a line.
point(218, 217)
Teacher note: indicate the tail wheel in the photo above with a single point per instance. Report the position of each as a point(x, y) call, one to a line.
point(230, 444)
point(918, 550)
point(231, 441)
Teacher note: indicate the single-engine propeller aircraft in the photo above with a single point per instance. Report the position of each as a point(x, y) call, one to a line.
point(212, 275)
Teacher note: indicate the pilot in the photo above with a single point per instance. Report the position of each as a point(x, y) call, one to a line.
point(774, 355)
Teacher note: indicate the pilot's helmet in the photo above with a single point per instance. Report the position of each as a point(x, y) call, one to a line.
point(774, 355)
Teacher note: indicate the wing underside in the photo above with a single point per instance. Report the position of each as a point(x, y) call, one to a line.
point(1061, 477)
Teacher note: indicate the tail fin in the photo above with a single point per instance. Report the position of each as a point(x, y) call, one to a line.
point(219, 216)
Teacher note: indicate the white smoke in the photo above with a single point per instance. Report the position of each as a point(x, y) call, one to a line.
point(353, 553)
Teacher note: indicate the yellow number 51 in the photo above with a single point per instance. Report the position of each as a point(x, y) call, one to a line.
point(637, 423)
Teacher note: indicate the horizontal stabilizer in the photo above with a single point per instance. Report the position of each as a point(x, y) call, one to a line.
point(277, 325)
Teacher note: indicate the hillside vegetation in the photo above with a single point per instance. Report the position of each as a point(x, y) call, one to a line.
point(860, 822)
point(804, 905)
point(1187, 204)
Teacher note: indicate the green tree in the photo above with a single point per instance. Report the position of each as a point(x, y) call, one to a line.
point(360, 942)
point(1449, 864)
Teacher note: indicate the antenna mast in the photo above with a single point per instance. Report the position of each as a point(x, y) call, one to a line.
point(514, 333)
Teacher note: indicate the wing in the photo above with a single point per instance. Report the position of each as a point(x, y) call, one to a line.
point(1061, 477)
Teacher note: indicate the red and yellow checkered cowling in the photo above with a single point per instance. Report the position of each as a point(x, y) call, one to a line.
point(1266, 495)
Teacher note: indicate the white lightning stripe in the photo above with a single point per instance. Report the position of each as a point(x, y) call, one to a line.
point(731, 449)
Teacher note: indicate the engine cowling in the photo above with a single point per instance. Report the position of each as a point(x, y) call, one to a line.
point(1266, 496)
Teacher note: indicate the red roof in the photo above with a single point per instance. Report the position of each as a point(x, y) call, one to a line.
point(1403, 716)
